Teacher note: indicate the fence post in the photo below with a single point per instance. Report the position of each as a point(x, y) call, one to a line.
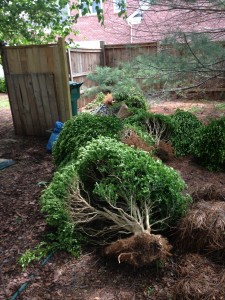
point(65, 78)
point(102, 46)
point(69, 64)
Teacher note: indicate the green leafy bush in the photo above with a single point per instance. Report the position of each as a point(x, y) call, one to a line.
point(209, 145)
point(79, 130)
point(55, 205)
point(131, 97)
point(96, 102)
point(120, 178)
point(157, 125)
point(118, 82)
point(2, 86)
point(110, 190)
point(185, 125)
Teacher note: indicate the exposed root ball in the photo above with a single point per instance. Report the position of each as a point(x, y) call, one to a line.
point(198, 278)
point(203, 227)
point(130, 138)
point(165, 151)
point(139, 250)
point(208, 192)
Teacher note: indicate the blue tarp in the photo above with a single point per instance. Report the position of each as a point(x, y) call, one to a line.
point(57, 129)
point(4, 163)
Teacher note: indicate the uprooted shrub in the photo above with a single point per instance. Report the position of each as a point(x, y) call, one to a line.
point(123, 192)
point(209, 145)
point(157, 125)
point(136, 137)
point(185, 125)
point(54, 205)
point(79, 130)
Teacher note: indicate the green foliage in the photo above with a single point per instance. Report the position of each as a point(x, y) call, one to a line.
point(28, 21)
point(184, 60)
point(106, 77)
point(209, 145)
point(116, 174)
point(54, 205)
point(2, 85)
point(131, 97)
point(79, 130)
point(39, 252)
point(220, 106)
point(97, 101)
point(118, 82)
point(185, 125)
point(151, 122)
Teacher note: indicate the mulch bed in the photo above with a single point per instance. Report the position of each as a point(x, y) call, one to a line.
point(90, 277)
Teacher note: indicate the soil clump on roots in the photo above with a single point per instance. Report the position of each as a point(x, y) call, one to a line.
point(139, 250)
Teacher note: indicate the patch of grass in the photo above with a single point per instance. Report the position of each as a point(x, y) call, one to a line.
point(219, 106)
point(194, 109)
point(4, 102)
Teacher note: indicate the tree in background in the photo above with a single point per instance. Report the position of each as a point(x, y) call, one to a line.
point(36, 21)
point(191, 54)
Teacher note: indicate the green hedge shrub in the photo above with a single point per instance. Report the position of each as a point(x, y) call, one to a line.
point(151, 123)
point(209, 145)
point(117, 174)
point(54, 205)
point(185, 125)
point(131, 97)
point(79, 130)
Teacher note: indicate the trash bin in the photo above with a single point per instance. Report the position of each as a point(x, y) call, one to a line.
point(74, 95)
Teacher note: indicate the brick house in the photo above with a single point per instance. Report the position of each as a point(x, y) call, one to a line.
point(145, 23)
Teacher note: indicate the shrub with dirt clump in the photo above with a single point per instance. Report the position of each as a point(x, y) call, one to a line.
point(185, 125)
point(112, 192)
point(118, 174)
point(79, 130)
point(124, 192)
point(157, 125)
point(199, 279)
point(209, 145)
point(203, 227)
point(134, 136)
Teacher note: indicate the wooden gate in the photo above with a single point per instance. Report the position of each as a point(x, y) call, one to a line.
point(37, 79)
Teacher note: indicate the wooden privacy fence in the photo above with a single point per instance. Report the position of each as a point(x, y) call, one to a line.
point(38, 86)
point(83, 61)
point(115, 54)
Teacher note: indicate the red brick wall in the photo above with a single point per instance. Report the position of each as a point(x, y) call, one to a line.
point(154, 23)
point(114, 31)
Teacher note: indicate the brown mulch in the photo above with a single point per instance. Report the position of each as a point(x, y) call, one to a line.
point(90, 277)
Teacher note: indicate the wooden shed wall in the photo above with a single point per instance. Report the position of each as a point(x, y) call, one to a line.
point(38, 86)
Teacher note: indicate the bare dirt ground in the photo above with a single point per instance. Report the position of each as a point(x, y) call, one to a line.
point(89, 277)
